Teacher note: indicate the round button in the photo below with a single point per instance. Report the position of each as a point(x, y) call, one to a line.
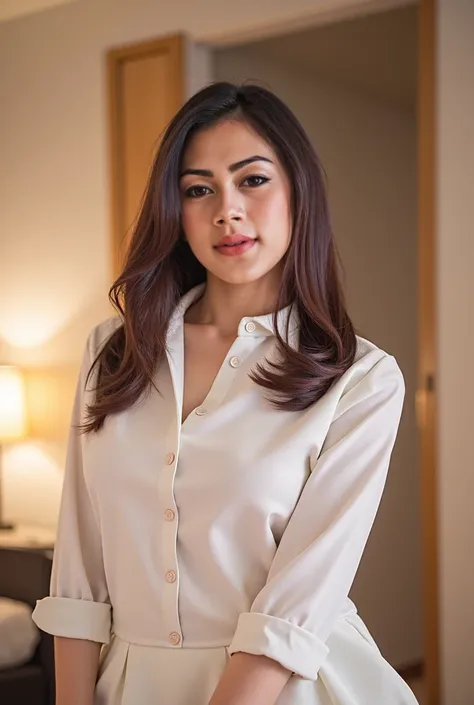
point(235, 361)
point(169, 515)
point(201, 411)
point(174, 638)
point(170, 576)
point(250, 327)
point(170, 458)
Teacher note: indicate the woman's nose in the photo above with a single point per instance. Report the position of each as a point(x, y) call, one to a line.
point(228, 218)
point(229, 212)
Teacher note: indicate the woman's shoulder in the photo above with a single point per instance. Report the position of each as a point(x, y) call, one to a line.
point(372, 366)
point(368, 352)
point(101, 333)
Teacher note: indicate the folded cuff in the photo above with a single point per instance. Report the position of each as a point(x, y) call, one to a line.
point(295, 648)
point(74, 619)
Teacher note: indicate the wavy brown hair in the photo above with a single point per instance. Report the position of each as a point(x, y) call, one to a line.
point(160, 266)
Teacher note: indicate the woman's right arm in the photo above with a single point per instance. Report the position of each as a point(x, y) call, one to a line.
point(78, 610)
point(77, 663)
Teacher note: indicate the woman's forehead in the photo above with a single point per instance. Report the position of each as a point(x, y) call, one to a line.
point(224, 144)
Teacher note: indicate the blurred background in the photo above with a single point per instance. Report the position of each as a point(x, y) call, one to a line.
point(385, 91)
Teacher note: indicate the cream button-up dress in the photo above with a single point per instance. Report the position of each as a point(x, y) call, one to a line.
point(240, 529)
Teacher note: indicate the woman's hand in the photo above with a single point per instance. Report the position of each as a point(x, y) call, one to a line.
point(250, 680)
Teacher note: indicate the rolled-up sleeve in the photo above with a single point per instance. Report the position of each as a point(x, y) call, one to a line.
point(321, 547)
point(78, 606)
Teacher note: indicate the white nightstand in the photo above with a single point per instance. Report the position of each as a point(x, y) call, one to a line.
point(27, 537)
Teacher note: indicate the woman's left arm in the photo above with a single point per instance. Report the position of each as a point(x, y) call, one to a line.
point(250, 680)
point(292, 617)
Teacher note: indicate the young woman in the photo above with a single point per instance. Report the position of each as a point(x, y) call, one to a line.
point(230, 442)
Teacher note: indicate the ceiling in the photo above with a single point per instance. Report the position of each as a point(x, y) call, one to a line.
point(11, 9)
point(376, 53)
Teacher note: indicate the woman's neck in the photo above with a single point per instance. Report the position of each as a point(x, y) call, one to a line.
point(222, 306)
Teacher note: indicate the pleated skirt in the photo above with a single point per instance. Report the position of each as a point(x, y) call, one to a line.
point(354, 673)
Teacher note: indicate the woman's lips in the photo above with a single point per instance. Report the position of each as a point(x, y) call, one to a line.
point(234, 245)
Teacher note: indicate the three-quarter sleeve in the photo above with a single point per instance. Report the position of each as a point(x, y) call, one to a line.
point(78, 606)
point(321, 547)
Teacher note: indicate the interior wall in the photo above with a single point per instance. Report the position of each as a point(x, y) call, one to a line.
point(55, 262)
point(455, 257)
point(368, 150)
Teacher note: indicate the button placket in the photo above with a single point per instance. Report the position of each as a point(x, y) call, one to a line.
point(225, 377)
point(169, 529)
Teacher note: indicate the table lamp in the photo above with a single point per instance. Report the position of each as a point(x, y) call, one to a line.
point(12, 416)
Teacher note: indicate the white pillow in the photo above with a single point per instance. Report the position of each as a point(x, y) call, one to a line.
point(19, 636)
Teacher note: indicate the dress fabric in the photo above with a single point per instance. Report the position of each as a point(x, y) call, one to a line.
point(240, 529)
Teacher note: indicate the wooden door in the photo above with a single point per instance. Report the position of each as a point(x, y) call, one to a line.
point(146, 82)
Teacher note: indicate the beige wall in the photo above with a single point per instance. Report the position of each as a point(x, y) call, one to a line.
point(54, 193)
point(54, 264)
point(455, 202)
point(54, 249)
point(368, 150)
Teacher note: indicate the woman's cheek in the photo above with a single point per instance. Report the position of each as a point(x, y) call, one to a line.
point(188, 219)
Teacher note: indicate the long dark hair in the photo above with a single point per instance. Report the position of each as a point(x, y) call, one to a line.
point(160, 266)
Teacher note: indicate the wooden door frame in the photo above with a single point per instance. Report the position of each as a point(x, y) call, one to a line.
point(172, 44)
point(427, 348)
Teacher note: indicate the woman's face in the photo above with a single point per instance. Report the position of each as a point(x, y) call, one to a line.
point(235, 198)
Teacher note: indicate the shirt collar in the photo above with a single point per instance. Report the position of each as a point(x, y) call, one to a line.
point(250, 326)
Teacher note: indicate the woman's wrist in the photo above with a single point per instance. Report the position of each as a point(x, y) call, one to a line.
point(250, 680)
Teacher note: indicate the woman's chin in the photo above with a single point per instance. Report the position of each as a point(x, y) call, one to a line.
point(237, 279)
point(240, 278)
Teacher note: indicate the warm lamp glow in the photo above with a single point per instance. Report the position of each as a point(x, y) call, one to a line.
point(12, 404)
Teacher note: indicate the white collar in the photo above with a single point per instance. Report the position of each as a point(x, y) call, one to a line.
point(263, 325)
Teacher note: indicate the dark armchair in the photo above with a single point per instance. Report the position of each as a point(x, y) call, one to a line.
point(25, 576)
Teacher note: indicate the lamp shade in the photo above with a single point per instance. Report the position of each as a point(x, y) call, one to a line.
point(12, 404)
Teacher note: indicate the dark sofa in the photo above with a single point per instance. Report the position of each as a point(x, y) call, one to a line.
point(25, 576)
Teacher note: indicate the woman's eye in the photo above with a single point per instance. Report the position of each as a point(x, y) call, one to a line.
point(256, 180)
point(196, 191)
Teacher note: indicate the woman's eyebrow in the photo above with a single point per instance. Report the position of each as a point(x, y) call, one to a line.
point(232, 168)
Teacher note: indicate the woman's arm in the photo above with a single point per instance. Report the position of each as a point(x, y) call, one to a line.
point(313, 568)
point(76, 663)
point(250, 679)
point(78, 611)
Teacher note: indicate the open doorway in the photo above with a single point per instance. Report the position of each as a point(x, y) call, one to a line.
point(353, 85)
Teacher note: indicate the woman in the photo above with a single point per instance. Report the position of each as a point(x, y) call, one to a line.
point(235, 440)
